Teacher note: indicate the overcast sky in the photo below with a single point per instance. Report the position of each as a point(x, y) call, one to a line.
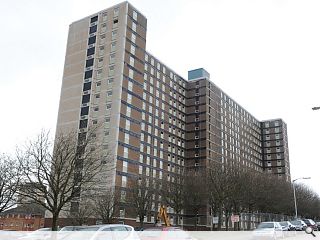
point(264, 54)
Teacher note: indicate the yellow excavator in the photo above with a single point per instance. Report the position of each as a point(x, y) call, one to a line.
point(162, 215)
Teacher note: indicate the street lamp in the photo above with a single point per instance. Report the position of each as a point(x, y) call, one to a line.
point(294, 195)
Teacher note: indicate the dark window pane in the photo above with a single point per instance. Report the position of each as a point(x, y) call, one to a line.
point(83, 123)
point(90, 51)
point(89, 62)
point(86, 98)
point(92, 40)
point(88, 74)
point(86, 86)
point(84, 111)
point(94, 19)
point(93, 29)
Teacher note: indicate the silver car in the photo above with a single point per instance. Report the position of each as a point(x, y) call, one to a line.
point(105, 232)
point(268, 230)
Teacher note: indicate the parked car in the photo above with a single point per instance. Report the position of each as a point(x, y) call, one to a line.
point(268, 230)
point(299, 225)
point(311, 223)
point(70, 228)
point(105, 232)
point(287, 226)
point(164, 233)
point(318, 225)
point(40, 234)
point(9, 234)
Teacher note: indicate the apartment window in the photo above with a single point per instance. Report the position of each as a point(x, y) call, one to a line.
point(113, 46)
point(107, 119)
point(127, 124)
point(116, 12)
point(108, 106)
point(94, 19)
point(135, 15)
point(88, 74)
point(110, 80)
point(131, 61)
point(132, 49)
point(111, 71)
point(133, 39)
point(134, 26)
point(102, 39)
point(84, 111)
point(130, 85)
point(124, 181)
point(93, 29)
point(128, 111)
point(83, 123)
point(131, 73)
point(99, 73)
point(92, 40)
point(104, 16)
point(85, 98)
point(101, 51)
point(89, 62)
point(112, 58)
point(125, 152)
point(124, 166)
point(103, 28)
point(129, 98)
point(114, 35)
point(90, 51)
point(115, 23)
point(100, 62)
point(94, 121)
point(87, 86)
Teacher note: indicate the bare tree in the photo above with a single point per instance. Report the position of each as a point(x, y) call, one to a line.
point(9, 182)
point(195, 193)
point(215, 187)
point(82, 214)
point(174, 196)
point(308, 201)
point(106, 206)
point(60, 173)
point(140, 196)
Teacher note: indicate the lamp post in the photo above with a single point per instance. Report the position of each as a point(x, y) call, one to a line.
point(294, 195)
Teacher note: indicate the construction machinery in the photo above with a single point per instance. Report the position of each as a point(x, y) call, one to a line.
point(162, 215)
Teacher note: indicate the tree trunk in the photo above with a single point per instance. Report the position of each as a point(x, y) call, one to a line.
point(219, 219)
point(196, 222)
point(55, 218)
point(141, 221)
point(227, 222)
point(176, 220)
point(249, 220)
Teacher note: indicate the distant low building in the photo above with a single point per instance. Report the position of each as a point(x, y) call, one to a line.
point(27, 217)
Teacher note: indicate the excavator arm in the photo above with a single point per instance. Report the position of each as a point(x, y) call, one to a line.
point(162, 215)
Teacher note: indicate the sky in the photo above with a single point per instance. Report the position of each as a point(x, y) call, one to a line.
point(264, 54)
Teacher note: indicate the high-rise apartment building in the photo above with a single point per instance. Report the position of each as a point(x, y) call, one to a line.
point(155, 122)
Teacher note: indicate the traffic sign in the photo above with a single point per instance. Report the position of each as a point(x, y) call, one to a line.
point(235, 218)
point(215, 220)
